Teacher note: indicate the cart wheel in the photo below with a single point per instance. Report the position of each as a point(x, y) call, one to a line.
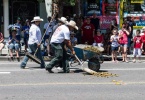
point(94, 64)
point(101, 59)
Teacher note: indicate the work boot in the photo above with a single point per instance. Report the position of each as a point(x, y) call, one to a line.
point(66, 71)
point(49, 70)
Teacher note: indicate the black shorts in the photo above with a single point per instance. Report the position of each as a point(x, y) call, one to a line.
point(114, 48)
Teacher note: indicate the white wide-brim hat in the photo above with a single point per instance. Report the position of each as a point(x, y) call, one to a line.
point(72, 24)
point(63, 20)
point(37, 18)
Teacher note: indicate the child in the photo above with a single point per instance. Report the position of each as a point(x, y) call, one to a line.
point(73, 39)
point(98, 39)
point(114, 44)
point(14, 44)
point(137, 46)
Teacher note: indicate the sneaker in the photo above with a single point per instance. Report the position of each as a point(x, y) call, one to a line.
point(49, 70)
point(59, 68)
point(22, 67)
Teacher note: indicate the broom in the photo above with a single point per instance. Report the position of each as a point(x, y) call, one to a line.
point(33, 57)
point(85, 69)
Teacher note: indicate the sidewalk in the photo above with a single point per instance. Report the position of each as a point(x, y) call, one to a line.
point(130, 57)
point(46, 58)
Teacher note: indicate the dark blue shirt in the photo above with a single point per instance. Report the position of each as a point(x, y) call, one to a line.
point(13, 41)
point(26, 30)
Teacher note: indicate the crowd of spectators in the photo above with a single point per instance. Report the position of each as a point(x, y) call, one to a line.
point(114, 40)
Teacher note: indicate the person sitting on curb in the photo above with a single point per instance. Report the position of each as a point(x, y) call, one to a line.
point(13, 43)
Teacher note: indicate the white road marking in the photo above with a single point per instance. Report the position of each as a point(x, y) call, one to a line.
point(122, 69)
point(15, 63)
point(72, 83)
point(5, 72)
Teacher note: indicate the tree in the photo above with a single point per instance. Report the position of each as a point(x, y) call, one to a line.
point(75, 3)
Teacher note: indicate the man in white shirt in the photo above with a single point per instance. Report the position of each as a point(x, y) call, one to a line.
point(61, 21)
point(60, 37)
point(34, 42)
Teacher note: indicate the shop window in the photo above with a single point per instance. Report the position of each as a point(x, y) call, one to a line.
point(94, 6)
point(23, 9)
point(110, 7)
point(135, 9)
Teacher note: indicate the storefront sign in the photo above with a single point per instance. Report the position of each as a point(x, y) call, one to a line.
point(137, 1)
point(110, 8)
point(94, 8)
point(106, 21)
point(139, 19)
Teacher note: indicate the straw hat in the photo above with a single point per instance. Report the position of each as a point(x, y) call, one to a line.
point(37, 18)
point(72, 24)
point(13, 29)
point(63, 20)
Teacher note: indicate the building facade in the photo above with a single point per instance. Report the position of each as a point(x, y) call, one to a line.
point(25, 9)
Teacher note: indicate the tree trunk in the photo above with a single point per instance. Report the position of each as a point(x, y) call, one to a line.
point(60, 7)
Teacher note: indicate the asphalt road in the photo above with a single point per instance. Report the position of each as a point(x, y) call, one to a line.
point(37, 84)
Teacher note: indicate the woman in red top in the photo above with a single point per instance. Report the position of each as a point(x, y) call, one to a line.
point(88, 32)
point(98, 39)
point(123, 40)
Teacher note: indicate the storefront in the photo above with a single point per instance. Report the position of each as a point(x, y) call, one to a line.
point(25, 9)
point(106, 10)
point(134, 9)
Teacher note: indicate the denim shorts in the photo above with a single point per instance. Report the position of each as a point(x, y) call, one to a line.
point(114, 48)
point(14, 46)
point(123, 45)
point(137, 52)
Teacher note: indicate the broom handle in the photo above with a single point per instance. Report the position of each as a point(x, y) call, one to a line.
point(78, 59)
point(43, 36)
point(46, 29)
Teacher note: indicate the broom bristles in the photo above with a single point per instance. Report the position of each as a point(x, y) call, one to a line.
point(34, 58)
point(89, 71)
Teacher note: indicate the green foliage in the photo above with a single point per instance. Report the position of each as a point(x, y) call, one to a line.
point(71, 2)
